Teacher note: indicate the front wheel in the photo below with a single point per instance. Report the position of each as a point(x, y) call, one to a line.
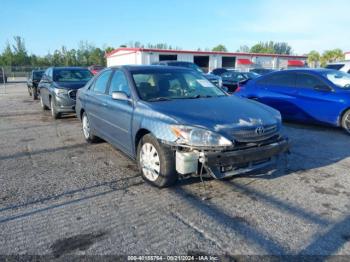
point(156, 162)
point(345, 122)
point(54, 113)
point(43, 106)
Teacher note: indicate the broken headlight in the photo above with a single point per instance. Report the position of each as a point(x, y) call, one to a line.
point(199, 137)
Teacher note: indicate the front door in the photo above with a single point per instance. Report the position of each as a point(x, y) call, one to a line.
point(119, 113)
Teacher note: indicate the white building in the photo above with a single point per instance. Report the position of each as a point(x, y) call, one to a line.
point(347, 55)
point(205, 59)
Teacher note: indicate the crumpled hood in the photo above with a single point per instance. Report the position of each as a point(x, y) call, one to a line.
point(221, 114)
point(70, 85)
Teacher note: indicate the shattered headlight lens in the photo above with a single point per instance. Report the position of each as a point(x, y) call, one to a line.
point(61, 92)
point(199, 137)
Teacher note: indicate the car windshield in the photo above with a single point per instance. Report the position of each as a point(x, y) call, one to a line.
point(38, 74)
point(187, 65)
point(339, 78)
point(251, 75)
point(334, 66)
point(167, 85)
point(72, 75)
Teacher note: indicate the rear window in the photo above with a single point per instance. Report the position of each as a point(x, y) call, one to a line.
point(38, 75)
point(335, 66)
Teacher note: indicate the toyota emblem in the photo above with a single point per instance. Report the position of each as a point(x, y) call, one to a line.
point(260, 130)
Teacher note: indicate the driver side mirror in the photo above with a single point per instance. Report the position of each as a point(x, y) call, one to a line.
point(119, 95)
point(323, 88)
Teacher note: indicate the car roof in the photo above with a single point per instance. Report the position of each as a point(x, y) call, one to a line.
point(151, 68)
point(69, 67)
point(305, 70)
point(340, 62)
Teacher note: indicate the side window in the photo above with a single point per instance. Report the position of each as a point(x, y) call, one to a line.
point(46, 73)
point(308, 81)
point(119, 83)
point(101, 82)
point(281, 79)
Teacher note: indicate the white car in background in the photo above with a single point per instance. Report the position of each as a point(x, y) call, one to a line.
point(341, 66)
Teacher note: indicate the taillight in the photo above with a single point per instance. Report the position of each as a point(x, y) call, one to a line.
point(238, 88)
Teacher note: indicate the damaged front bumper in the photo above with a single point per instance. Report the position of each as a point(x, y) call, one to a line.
point(222, 164)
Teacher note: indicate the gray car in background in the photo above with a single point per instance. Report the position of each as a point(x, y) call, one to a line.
point(58, 88)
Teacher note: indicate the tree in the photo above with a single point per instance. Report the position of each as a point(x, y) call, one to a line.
point(219, 48)
point(329, 56)
point(271, 47)
point(20, 56)
point(313, 58)
point(244, 49)
point(7, 55)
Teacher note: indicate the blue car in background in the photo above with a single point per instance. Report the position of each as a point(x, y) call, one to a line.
point(304, 95)
point(175, 121)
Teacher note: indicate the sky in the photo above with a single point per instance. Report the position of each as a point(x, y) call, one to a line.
point(46, 25)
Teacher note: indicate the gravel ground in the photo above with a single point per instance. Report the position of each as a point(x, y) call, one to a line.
point(61, 196)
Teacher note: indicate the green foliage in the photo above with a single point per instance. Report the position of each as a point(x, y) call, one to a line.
point(219, 48)
point(244, 49)
point(86, 55)
point(333, 55)
point(271, 47)
point(313, 58)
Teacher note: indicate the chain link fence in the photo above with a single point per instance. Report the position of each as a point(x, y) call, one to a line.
point(16, 74)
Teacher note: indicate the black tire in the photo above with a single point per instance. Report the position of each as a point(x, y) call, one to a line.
point(43, 106)
point(35, 93)
point(167, 175)
point(90, 138)
point(54, 113)
point(345, 121)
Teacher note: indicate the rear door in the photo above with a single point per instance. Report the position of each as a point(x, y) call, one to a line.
point(118, 114)
point(314, 102)
point(96, 102)
point(277, 90)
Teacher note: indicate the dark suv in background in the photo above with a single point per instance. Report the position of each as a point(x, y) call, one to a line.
point(216, 80)
point(33, 81)
point(3, 77)
point(58, 88)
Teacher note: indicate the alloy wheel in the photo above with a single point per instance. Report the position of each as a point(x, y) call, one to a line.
point(347, 122)
point(86, 127)
point(150, 162)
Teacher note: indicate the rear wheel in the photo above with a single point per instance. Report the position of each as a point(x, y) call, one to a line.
point(54, 113)
point(346, 121)
point(89, 137)
point(156, 162)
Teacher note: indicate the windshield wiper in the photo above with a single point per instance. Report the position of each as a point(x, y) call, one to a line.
point(159, 99)
point(197, 96)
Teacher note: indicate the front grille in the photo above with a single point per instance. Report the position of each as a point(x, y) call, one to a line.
point(250, 134)
point(73, 94)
